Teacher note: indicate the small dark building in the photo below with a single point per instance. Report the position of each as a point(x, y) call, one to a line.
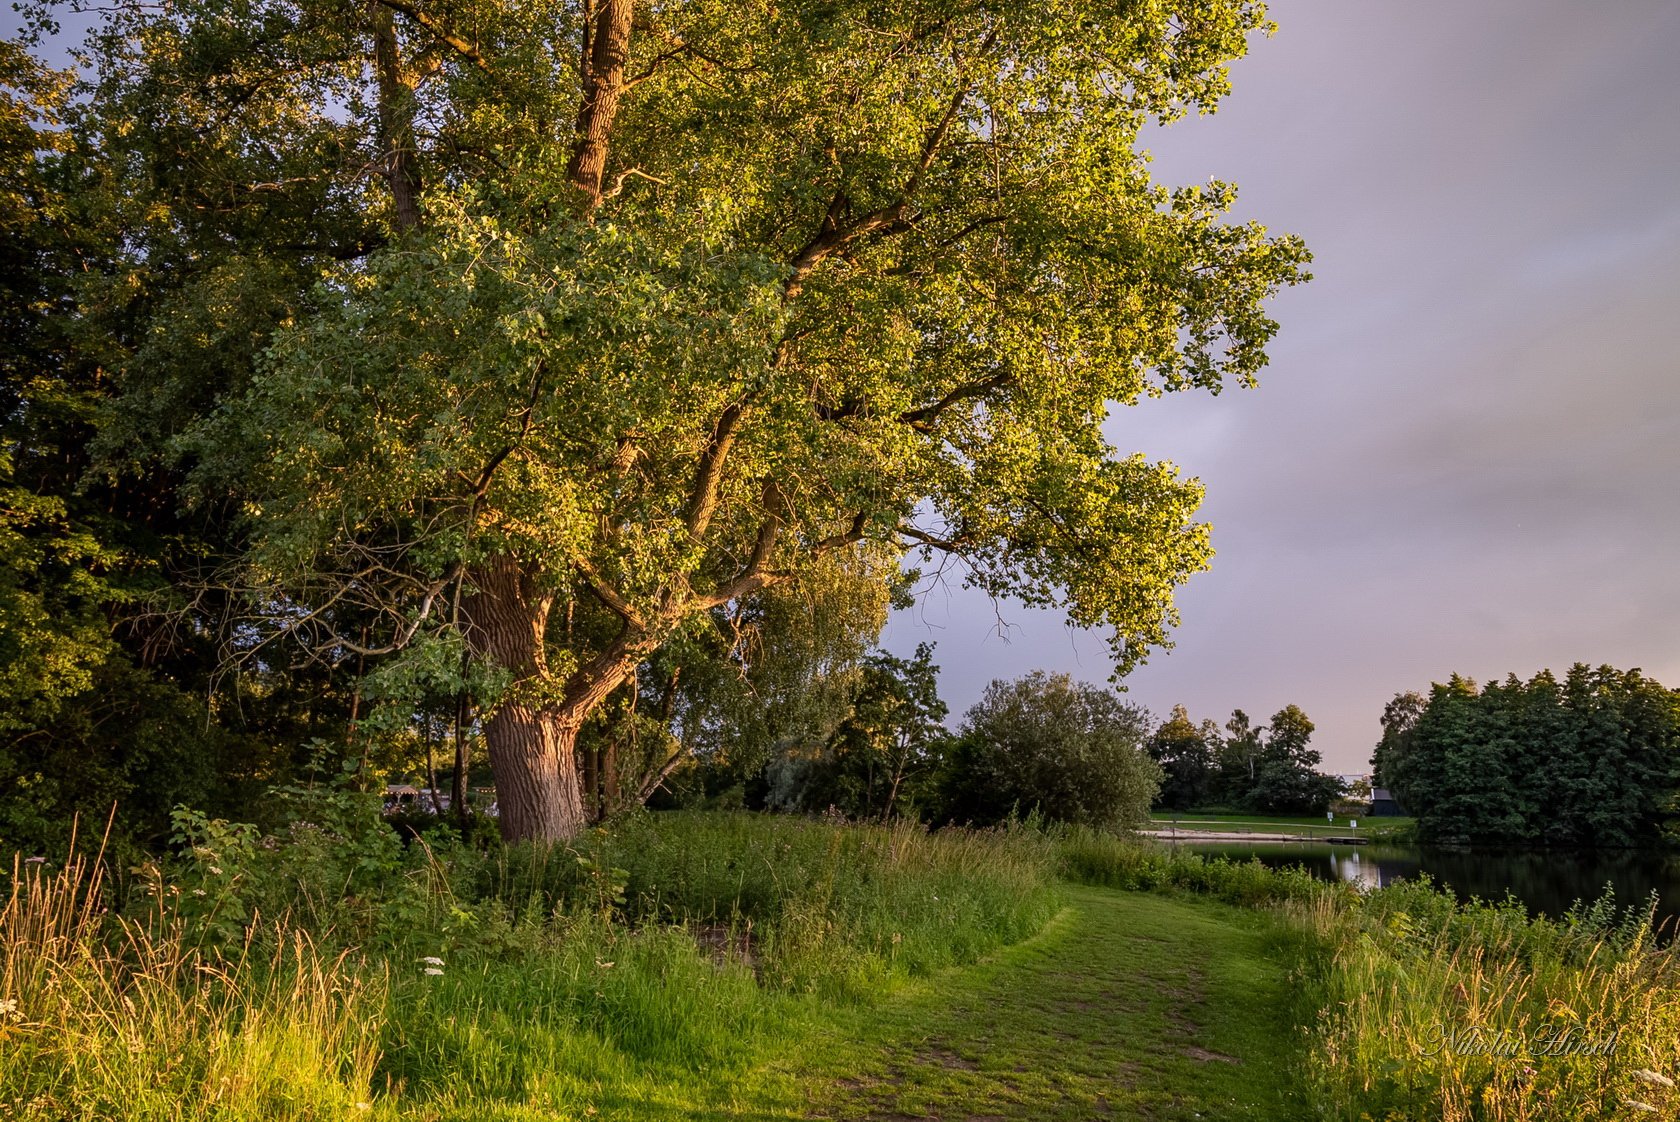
point(1384, 804)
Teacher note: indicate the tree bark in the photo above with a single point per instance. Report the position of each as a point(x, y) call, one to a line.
point(532, 733)
point(538, 796)
point(533, 753)
point(606, 49)
point(396, 120)
point(460, 786)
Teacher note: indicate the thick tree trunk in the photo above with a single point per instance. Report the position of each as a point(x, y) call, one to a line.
point(606, 49)
point(396, 120)
point(532, 752)
point(538, 797)
point(532, 732)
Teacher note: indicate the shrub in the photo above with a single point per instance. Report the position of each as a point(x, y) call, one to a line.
point(1045, 744)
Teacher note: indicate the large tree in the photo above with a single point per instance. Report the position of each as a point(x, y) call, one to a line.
point(541, 332)
point(1188, 754)
point(1288, 779)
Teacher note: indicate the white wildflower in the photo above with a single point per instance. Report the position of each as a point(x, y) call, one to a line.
point(216, 870)
point(198, 892)
point(432, 960)
point(434, 972)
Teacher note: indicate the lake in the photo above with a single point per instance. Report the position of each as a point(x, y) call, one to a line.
point(1547, 881)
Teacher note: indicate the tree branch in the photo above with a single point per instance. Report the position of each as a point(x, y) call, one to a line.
point(439, 30)
point(608, 595)
point(922, 537)
point(832, 237)
point(924, 416)
point(703, 500)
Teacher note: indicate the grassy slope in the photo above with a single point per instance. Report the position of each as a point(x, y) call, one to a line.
point(1128, 1005)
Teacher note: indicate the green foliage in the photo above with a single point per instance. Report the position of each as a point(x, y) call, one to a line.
point(58, 565)
point(1266, 768)
point(771, 678)
point(1434, 1009)
point(128, 741)
point(1288, 780)
point(1052, 747)
point(883, 758)
point(1591, 760)
point(855, 278)
point(1188, 756)
point(322, 967)
point(1399, 719)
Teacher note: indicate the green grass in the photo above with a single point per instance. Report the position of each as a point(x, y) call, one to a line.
point(732, 968)
point(1128, 1006)
point(652, 971)
point(1283, 823)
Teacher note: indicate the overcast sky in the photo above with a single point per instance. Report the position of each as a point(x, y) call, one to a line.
point(1465, 455)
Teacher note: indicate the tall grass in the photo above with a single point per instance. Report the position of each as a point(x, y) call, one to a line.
point(1436, 1010)
point(1111, 861)
point(107, 1017)
point(1422, 1008)
point(651, 963)
point(653, 970)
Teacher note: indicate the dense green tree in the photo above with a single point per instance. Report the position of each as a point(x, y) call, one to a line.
point(1287, 779)
point(1593, 760)
point(486, 317)
point(1238, 759)
point(769, 679)
point(884, 757)
point(1069, 751)
point(57, 562)
point(1188, 755)
point(1388, 761)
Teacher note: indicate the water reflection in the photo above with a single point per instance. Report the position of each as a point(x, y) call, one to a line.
point(1547, 882)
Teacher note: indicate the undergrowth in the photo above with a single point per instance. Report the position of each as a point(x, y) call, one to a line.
point(656, 969)
point(327, 970)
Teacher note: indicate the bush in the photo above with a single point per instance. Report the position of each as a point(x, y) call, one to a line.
point(1047, 745)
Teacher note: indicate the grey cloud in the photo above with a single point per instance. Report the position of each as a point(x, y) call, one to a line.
point(1466, 453)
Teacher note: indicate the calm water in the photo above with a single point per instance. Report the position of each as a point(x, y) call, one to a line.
point(1548, 882)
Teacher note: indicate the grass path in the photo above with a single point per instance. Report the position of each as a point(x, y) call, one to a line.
point(1128, 1006)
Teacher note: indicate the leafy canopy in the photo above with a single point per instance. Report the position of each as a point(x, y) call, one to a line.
point(857, 274)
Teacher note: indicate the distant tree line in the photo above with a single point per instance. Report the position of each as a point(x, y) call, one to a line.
point(1268, 768)
point(1593, 759)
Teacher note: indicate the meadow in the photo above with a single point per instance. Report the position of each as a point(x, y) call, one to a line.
point(731, 966)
